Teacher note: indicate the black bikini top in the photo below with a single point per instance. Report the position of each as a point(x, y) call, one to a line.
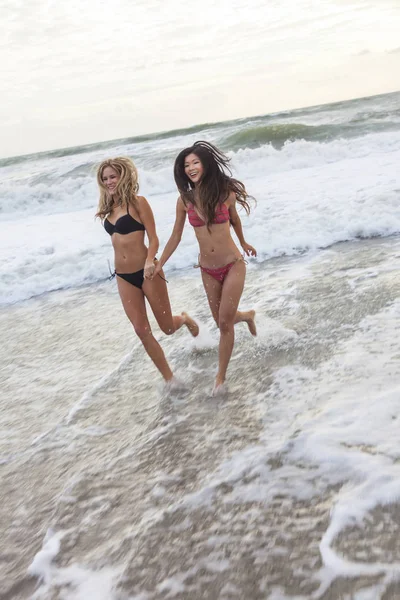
point(124, 225)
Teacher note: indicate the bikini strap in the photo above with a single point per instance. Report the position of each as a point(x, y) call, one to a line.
point(112, 275)
point(163, 278)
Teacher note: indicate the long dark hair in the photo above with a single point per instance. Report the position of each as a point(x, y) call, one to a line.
point(216, 184)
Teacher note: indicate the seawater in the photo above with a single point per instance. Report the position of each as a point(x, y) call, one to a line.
point(320, 176)
point(288, 488)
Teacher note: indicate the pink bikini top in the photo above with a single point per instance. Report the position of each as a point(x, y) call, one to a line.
point(221, 215)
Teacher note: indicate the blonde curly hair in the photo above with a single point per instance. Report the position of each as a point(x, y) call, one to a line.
point(127, 186)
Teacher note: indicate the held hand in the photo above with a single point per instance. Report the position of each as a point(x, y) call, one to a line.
point(249, 250)
point(157, 269)
point(149, 269)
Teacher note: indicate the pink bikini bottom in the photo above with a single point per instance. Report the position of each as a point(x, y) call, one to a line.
point(220, 273)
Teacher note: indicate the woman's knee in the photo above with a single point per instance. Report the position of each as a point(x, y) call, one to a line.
point(142, 330)
point(167, 329)
point(225, 324)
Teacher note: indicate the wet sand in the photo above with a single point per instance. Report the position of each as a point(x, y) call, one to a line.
point(142, 486)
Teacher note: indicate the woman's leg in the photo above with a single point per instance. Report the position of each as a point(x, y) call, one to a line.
point(232, 289)
point(213, 289)
point(134, 305)
point(156, 293)
point(247, 317)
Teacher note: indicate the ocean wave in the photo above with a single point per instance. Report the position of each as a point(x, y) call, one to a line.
point(311, 193)
point(72, 194)
point(302, 154)
point(319, 123)
point(278, 134)
point(304, 203)
point(73, 187)
point(106, 145)
point(275, 134)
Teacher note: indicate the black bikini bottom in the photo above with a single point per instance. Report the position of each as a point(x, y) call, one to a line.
point(135, 279)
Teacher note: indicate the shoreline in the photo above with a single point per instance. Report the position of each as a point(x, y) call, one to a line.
point(175, 274)
point(190, 493)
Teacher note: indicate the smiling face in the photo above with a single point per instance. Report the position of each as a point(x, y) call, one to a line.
point(110, 178)
point(194, 169)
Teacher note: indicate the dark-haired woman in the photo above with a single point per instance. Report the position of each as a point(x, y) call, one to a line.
point(208, 196)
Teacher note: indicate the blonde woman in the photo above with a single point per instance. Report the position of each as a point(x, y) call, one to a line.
point(126, 217)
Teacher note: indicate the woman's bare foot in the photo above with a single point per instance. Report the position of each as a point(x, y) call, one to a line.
point(191, 324)
point(250, 315)
point(220, 388)
point(173, 386)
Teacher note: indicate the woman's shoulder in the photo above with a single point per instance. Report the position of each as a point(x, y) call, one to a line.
point(141, 202)
point(230, 199)
point(181, 203)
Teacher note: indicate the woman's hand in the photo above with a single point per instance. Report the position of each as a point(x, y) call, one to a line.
point(149, 269)
point(249, 250)
point(157, 269)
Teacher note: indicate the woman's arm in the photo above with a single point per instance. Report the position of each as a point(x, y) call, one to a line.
point(237, 226)
point(147, 218)
point(176, 235)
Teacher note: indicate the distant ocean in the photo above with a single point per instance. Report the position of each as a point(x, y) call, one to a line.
point(320, 175)
point(289, 487)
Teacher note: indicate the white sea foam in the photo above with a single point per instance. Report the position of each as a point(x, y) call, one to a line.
point(343, 418)
point(325, 436)
point(82, 583)
point(310, 195)
point(79, 583)
point(41, 564)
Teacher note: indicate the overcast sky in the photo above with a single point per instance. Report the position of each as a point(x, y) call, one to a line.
point(80, 72)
